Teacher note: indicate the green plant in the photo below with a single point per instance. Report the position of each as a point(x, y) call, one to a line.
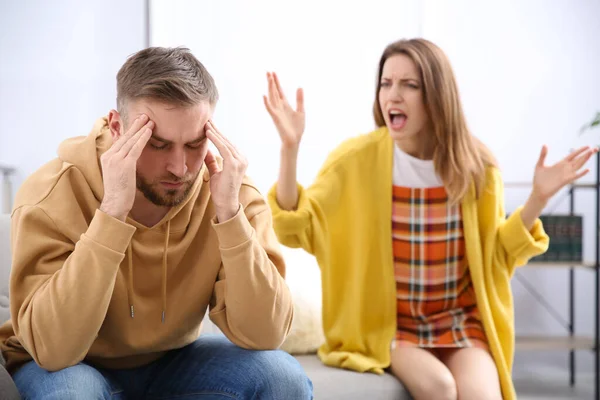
point(593, 124)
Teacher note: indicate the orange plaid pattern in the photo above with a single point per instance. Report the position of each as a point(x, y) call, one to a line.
point(436, 305)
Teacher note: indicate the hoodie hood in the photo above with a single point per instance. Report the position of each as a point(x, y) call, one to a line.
point(84, 153)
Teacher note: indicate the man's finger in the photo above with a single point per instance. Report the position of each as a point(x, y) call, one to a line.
point(219, 144)
point(211, 163)
point(135, 127)
point(129, 142)
point(230, 146)
point(138, 146)
point(225, 140)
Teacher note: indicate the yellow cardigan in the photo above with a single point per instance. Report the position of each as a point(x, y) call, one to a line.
point(344, 219)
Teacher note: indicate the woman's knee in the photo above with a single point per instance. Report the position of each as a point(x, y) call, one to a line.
point(80, 381)
point(440, 386)
point(423, 374)
point(475, 389)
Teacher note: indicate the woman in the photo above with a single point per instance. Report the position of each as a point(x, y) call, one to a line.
point(408, 226)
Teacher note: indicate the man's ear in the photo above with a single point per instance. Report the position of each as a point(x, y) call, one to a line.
point(115, 124)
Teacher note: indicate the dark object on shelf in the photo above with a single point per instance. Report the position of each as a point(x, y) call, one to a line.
point(566, 238)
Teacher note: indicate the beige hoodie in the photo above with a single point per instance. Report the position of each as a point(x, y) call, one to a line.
point(86, 286)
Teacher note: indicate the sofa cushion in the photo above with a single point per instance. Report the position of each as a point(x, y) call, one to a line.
point(335, 383)
point(303, 278)
point(8, 390)
point(5, 263)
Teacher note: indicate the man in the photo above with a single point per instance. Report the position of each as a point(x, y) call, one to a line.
point(122, 242)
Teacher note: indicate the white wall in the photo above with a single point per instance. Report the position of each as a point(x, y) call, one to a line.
point(58, 63)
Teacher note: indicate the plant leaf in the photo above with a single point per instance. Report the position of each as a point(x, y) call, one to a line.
point(594, 123)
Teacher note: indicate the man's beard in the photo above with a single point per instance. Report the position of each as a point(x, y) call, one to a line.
point(162, 197)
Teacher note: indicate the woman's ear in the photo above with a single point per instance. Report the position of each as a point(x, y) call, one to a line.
point(115, 124)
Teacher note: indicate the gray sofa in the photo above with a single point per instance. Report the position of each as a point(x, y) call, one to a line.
point(8, 391)
point(329, 383)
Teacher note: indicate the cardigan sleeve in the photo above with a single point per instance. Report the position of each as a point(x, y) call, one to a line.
point(513, 242)
point(307, 226)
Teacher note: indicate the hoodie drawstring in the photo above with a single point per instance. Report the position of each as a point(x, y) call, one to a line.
point(164, 275)
point(130, 283)
point(164, 272)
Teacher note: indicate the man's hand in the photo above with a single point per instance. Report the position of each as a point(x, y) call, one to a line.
point(119, 166)
point(224, 183)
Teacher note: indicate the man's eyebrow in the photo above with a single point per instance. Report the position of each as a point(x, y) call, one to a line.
point(408, 78)
point(156, 137)
point(166, 141)
point(201, 138)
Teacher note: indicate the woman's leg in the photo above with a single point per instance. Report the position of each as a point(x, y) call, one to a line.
point(423, 375)
point(474, 371)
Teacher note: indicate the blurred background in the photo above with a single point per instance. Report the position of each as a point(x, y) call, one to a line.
point(528, 74)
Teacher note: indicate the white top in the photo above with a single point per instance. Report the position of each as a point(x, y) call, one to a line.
point(413, 172)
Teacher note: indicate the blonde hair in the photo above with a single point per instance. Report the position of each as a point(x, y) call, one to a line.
point(459, 158)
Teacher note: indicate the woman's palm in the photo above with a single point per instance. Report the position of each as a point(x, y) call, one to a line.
point(549, 179)
point(290, 123)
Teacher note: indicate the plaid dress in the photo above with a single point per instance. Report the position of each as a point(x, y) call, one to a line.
point(436, 304)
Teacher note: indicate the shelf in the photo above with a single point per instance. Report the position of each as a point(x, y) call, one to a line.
point(528, 185)
point(586, 185)
point(554, 343)
point(7, 169)
point(560, 264)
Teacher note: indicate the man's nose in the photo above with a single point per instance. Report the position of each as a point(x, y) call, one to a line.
point(177, 163)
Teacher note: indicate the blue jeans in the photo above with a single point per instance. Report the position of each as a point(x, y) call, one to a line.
point(210, 368)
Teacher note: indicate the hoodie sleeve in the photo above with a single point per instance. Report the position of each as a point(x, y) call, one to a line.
point(251, 303)
point(60, 286)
